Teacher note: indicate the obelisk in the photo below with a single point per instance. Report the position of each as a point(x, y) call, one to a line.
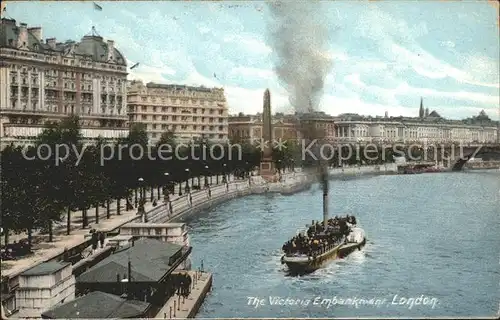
point(267, 170)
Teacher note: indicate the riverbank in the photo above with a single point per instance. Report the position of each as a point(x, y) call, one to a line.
point(389, 168)
point(190, 204)
point(291, 183)
point(186, 205)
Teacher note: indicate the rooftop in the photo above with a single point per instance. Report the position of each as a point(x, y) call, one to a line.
point(177, 87)
point(98, 305)
point(149, 259)
point(91, 46)
point(46, 268)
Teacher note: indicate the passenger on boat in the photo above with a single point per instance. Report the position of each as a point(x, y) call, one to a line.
point(319, 239)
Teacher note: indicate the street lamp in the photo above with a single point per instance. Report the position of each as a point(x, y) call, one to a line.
point(165, 192)
point(143, 196)
point(187, 180)
point(141, 186)
point(206, 176)
point(225, 173)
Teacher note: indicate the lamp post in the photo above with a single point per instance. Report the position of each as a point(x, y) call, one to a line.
point(165, 192)
point(142, 199)
point(187, 180)
point(225, 180)
point(206, 176)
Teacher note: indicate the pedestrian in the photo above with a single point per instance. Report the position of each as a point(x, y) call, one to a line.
point(101, 239)
point(175, 283)
point(189, 282)
point(186, 285)
point(94, 241)
point(181, 284)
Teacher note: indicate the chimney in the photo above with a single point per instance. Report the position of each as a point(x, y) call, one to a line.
point(111, 50)
point(36, 32)
point(51, 42)
point(22, 40)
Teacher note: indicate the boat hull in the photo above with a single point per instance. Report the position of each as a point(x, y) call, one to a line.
point(304, 265)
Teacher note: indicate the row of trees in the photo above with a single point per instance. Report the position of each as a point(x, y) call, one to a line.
point(60, 175)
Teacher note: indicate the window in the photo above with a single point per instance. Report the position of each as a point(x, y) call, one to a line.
point(135, 231)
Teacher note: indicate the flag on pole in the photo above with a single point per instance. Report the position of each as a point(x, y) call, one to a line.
point(134, 66)
point(97, 7)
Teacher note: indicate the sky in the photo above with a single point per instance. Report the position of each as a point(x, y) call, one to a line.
point(384, 55)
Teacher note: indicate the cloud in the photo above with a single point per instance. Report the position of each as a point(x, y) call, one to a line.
point(404, 89)
point(427, 65)
point(147, 73)
point(356, 105)
point(354, 79)
point(449, 44)
point(253, 72)
point(397, 41)
point(249, 42)
point(204, 30)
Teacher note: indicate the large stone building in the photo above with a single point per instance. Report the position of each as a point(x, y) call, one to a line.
point(249, 127)
point(428, 127)
point(45, 81)
point(188, 112)
point(285, 126)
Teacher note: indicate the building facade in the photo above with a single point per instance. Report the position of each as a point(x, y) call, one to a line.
point(428, 128)
point(189, 113)
point(285, 126)
point(46, 81)
point(44, 286)
point(250, 128)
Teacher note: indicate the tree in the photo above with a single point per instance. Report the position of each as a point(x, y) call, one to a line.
point(66, 138)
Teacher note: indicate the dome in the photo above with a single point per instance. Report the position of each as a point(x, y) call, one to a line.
point(94, 46)
point(91, 46)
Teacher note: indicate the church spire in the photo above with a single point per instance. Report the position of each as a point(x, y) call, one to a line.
point(421, 111)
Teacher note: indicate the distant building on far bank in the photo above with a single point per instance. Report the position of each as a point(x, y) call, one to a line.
point(429, 127)
point(285, 126)
point(45, 81)
point(188, 112)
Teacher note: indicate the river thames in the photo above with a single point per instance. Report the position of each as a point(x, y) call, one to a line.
point(432, 250)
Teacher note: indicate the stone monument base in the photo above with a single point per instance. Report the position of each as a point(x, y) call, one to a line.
point(267, 170)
